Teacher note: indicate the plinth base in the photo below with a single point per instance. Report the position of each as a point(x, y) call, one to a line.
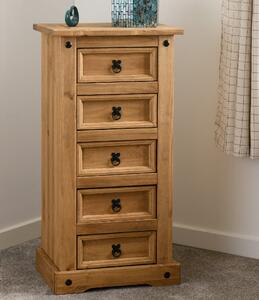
point(78, 281)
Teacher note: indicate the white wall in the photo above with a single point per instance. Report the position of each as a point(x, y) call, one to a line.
point(20, 108)
point(216, 196)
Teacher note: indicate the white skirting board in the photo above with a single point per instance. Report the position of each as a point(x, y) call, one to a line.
point(209, 239)
point(182, 234)
point(19, 233)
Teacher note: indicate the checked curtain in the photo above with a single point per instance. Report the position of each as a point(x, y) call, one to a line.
point(237, 120)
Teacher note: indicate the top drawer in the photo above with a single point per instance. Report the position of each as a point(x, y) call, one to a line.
point(117, 64)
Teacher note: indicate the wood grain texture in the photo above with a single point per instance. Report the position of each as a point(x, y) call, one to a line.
point(137, 64)
point(120, 88)
point(104, 29)
point(47, 231)
point(79, 180)
point(59, 152)
point(121, 276)
point(135, 157)
point(116, 180)
point(117, 135)
point(164, 151)
point(133, 203)
point(82, 280)
point(95, 251)
point(118, 41)
point(117, 226)
point(46, 267)
point(135, 111)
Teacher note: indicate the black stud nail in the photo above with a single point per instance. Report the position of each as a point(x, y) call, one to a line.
point(167, 275)
point(68, 44)
point(68, 282)
point(166, 43)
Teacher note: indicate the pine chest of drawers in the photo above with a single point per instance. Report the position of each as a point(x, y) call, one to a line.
point(107, 112)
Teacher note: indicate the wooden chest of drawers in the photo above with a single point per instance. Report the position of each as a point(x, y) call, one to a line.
point(107, 114)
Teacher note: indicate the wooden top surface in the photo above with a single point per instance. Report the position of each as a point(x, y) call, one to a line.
point(104, 29)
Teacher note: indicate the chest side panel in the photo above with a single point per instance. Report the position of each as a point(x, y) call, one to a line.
point(59, 151)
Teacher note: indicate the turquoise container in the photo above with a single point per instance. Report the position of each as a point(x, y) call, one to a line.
point(134, 13)
point(145, 13)
point(72, 16)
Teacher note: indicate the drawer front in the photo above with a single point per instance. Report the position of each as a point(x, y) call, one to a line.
point(116, 204)
point(119, 249)
point(118, 111)
point(110, 158)
point(117, 64)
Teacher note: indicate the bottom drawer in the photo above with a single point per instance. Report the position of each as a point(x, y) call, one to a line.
point(120, 249)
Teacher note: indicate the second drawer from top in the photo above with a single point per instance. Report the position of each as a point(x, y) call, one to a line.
point(116, 111)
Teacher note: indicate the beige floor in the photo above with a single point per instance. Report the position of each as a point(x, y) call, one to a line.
point(206, 275)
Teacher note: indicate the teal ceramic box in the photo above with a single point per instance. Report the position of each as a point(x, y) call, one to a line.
point(134, 13)
point(145, 13)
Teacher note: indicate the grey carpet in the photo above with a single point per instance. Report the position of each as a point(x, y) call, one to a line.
point(206, 275)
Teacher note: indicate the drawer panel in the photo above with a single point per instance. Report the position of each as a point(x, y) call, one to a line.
point(117, 41)
point(117, 64)
point(109, 158)
point(116, 204)
point(119, 249)
point(132, 134)
point(116, 227)
point(90, 182)
point(117, 88)
point(118, 111)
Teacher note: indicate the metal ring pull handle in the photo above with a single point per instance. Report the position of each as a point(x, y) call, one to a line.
point(116, 113)
point(116, 251)
point(116, 66)
point(116, 205)
point(115, 159)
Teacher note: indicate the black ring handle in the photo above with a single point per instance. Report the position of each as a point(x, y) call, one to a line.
point(116, 113)
point(116, 205)
point(115, 159)
point(116, 66)
point(116, 251)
